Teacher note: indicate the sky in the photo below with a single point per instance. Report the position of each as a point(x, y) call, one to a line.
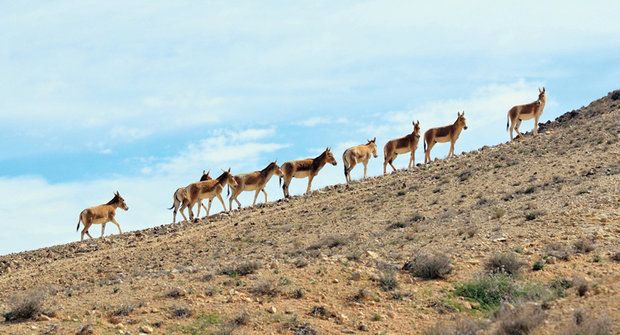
point(141, 96)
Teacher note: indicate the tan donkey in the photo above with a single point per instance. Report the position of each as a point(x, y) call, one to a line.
point(254, 181)
point(529, 111)
point(358, 154)
point(208, 189)
point(101, 214)
point(402, 145)
point(442, 135)
point(179, 198)
point(303, 168)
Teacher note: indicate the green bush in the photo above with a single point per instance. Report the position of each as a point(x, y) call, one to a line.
point(488, 290)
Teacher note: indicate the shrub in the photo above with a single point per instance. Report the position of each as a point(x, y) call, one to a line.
point(266, 288)
point(521, 320)
point(616, 257)
point(583, 246)
point(181, 312)
point(429, 266)
point(532, 215)
point(321, 312)
point(488, 290)
point(615, 95)
point(507, 263)
point(123, 310)
point(459, 327)
point(582, 286)
point(242, 269)
point(297, 293)
point(388, 281)
point(558, 251)
point(538, 265)
point(175, 293)
point(331, 241)
point(363, 295)
point(497, 213)
point(560, 285)
point(584, 324)
point(241, 319)
point(26, 306)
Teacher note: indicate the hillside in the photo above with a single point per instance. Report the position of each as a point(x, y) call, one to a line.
point(328, 263)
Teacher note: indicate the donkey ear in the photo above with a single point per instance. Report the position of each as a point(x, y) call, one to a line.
point(228, 170)
point(116, 193)
point(374, 139)
point(543, 89)
point(417, 123)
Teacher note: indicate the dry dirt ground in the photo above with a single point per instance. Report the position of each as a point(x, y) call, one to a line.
point(332, 262)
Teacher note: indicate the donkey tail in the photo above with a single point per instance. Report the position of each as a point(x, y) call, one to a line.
point(507, 121)
point(345, 163)
point(280, 181)
point(228, 191)
point(79, 220)
point(425, 144)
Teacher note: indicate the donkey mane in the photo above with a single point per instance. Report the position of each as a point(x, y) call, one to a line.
point(222, 177)
point(114, 200)
point(267, 169)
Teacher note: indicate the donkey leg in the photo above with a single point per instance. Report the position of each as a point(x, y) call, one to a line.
point(310, 177)
point(255, 196)
point(287, 181)
point(536, 125)
point(451, 153)
point(200, 205)
point(392, 165)
point(209, 207)
point(263, 190)
point(411, 160)
point(219, 197)
point(517, 125)
point(117, 226)
point(89, 235)
point(102, 230)
point(352, 164)
point(365, 168)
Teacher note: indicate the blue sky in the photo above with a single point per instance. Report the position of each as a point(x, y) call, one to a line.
point(140, 97)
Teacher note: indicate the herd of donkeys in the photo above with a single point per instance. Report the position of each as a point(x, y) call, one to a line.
point(208, 188)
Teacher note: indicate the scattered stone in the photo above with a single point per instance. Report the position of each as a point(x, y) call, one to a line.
point(272, 310)
point(146, 329)
point(85, 330)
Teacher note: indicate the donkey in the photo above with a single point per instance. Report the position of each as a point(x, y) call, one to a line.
point(208, 189)
point(254, 181)
point(443, 134)
point(180, 198)
point(402, 145)
point(303, 168)
point(532, 110)
point(358, 154)
point(101, 214)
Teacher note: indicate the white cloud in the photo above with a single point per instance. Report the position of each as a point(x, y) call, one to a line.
point(320, 120)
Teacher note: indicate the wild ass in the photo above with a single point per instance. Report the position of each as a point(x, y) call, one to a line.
point(443, 134)
point(208, 189)
point(303, 168)
point(402, 145)
point(254, 181)
point(529, 111)
point(101, 214)
point(358, 154)
point(179, 199)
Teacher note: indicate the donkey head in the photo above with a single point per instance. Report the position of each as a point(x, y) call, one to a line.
point(277, 169)
point(205, 175)
point(119, 201)
point(460, 121)
point(230, 179)
point(372, 144)
point(541, 93)
point(416, 128)
point(329, 157)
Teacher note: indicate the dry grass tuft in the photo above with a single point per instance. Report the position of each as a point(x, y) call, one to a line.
point(584, 324)
point(242, 269)
point(459, 327)
point(520, 320)
point(583, 246)
point(507, 263)
point(25, 307)
point(429, 266)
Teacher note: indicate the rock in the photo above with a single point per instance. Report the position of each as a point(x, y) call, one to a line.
point(43, 317)
point(356, 276)
point(272, 310)
point(146, 329)
point(550, 260)
point(336, 281)
point(372, 254)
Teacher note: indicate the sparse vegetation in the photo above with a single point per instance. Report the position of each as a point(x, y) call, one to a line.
point(539, 265)
point(321, 312)
point(507, 263)
point(558, 251)
point(533, 215)
point(429, 266)
point(175, 293)
point(520, 320)
point(497, 213)
point(181, 312)
point(123, 310)
point(332, 241)
point(461, 326)
point(26, 306)
point(266, 288)
point(616, 257)
point(364, 294)
point(583, 246)
point(242, 269)
point(582, 286)
point(388, 281)
point(585, 324)
point(488, 290)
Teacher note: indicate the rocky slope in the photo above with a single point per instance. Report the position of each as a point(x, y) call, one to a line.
point(332, 262)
